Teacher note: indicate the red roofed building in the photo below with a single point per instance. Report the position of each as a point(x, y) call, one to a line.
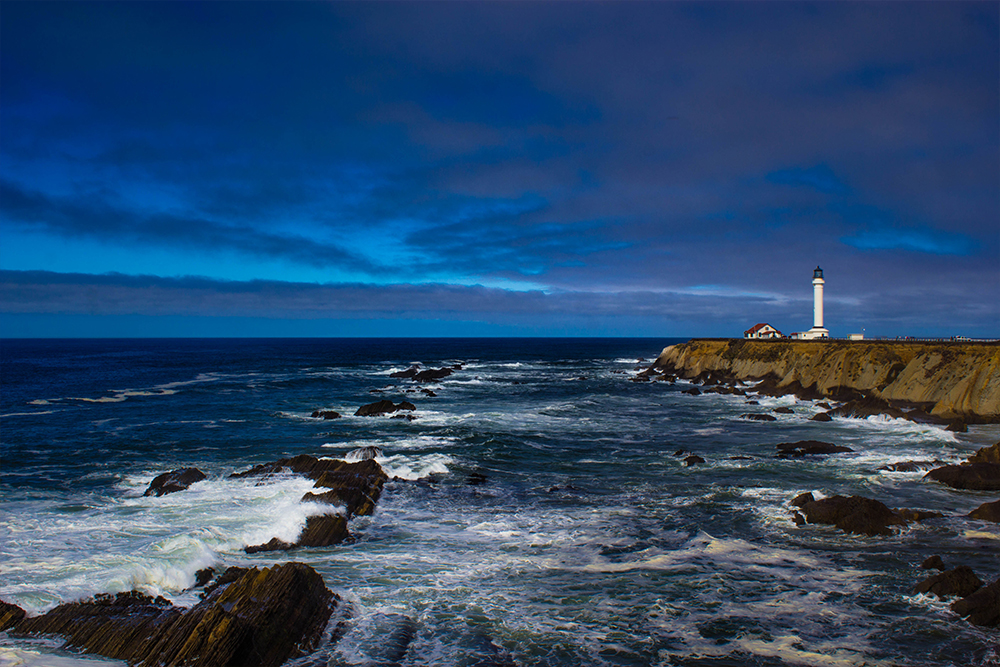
point(762, 330)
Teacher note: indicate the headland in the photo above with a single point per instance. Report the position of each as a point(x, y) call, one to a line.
point(950, 380)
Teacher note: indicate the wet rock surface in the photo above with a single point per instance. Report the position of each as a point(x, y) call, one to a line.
point(981, 607)
point(969, 476)
point(10, 615)
point(958, 582)
point(258, 618)
point(987, 512)
point(854, 514)
point(752, 416)
point(174, 481)
point(383, 407)
point(326, 414)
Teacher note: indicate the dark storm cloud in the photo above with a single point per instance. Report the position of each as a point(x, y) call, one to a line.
point(601, 148)
point(93, 216)
point(920, 309)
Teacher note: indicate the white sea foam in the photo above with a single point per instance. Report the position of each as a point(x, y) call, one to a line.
point(415, 467)
point(153, 544)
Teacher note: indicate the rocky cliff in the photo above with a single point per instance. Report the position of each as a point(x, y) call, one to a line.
point(950, 380)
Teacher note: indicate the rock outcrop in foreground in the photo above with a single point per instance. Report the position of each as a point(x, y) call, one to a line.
point(948, 380)
point(260, 618)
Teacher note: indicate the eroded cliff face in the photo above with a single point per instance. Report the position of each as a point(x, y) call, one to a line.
point(951, 380)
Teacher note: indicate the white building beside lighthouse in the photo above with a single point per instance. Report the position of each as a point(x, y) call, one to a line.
point(817, 331)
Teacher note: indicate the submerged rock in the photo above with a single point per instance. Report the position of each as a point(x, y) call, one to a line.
point(959, 582)
point(693, 460)
point(788, 450)
point(981, 607)
point(327, 414)
point(969, 476)
point(784, 411)
point(821, 417)
point(987, 512)
point(758, 417)
point(855, 514)
point(261, 618)
point(912, 466)
point(173, 481)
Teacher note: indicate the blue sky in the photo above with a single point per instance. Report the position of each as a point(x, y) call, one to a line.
point(397, 169)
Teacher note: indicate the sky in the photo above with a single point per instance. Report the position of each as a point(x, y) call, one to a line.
point(652, 169)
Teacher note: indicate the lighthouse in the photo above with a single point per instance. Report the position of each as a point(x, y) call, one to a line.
point(817, 330)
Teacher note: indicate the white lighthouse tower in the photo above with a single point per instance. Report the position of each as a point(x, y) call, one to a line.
point(817, 330)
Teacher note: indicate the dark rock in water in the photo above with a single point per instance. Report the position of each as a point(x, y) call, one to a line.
point(382, 407)
point(987, 512)
point(475, 479)
point(329, 414)
point(960, 582)
point(320, 531)
point(357, 486)
point(933, 563)
point(229, 576)
point(958, 426)
point(176, 480)
point(692, 460)
point(408, 374)
point(809, 448)
point(798, 519)
point(428, 392)
point(784, 411)
point(262, 618)
point(924, 417)
point(432, 374)
point(824, 405)
point(758, 417)
point(354, 485)
point(694, 391)
point(912, 466)
point(409, 418)
point(821, 417)
point(202, 577)
point(681, 452)
point(989, 454)
point(917, 515)
point(10, 615)
point(364, 453)
point(741, 458)
point(970, 476)
point(856, 514)
point(753, 402)
point(981, 607)
point(787, 450)
point(867, 406)
point(802, 499)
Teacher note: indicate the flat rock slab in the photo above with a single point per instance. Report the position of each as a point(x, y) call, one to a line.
point(261, 618)
point(970, 476)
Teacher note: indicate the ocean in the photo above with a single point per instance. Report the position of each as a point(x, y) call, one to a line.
point(540, 513)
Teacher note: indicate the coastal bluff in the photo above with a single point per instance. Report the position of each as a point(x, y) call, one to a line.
point(951, 380)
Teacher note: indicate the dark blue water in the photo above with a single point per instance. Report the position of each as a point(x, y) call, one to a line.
point(539, 513)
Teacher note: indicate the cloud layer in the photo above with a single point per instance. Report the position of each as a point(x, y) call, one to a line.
point(568, 157)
